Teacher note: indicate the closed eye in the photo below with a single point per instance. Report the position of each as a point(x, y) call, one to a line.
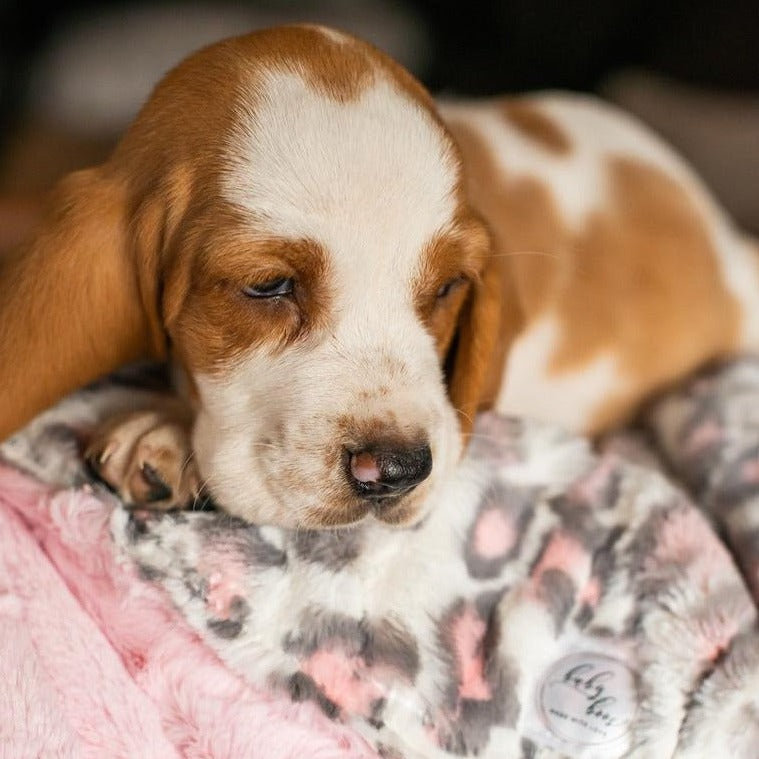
point(448, 287)
point(273, 288)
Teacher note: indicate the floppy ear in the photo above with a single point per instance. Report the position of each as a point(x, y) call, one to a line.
point(75, 302)
point(473, 365)
point(18, 215)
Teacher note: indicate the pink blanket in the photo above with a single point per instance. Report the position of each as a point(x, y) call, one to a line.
point(96, 663)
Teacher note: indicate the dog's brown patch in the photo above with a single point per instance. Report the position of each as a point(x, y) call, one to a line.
point(639, 280)
point(537, 126)
point(647, 265)
point(217, 323)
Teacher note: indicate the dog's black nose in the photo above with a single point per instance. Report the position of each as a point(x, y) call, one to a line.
point(384, 472)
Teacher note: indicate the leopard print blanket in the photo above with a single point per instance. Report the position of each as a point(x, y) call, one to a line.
point(558, 601)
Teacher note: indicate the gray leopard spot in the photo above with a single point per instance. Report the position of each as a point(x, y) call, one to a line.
point(150, 574)
point(515, 508)
point(241, 538)
point(233, 625)
point(468, 732)
point(332, 549)
point(385, 641)
point(557, 589)
point(301, 687)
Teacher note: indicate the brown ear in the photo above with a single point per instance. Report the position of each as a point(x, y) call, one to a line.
point(74, 304)
point(18, 216)
point(473, 365)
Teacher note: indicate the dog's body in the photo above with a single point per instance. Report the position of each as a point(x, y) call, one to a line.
point(292, 221)
point(620, 273)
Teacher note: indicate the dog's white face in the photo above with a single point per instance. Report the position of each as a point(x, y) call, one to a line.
point(331, 258)
point(349, 200)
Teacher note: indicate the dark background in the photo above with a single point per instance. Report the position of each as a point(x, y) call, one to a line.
point(697, 66)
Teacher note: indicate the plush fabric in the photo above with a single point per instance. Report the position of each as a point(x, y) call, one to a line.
point(557, 602)
point(96, 663)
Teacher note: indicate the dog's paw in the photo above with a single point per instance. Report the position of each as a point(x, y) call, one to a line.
point(146, 458)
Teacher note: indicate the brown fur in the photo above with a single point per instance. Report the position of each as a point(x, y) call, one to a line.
point(536, 126)
point(639, 280)
point(215, 322)
point(447, 258)
point(71, 301)
point(19, 215)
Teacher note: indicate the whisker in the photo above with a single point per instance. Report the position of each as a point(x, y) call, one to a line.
point(541, 253)
point(186, 463)
point(573, 262)
point(488, 438)
point(261, 444)
point(196, 497)
point(468, 417)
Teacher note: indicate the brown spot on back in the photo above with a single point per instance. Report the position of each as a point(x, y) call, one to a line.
point(647, 265)
point(639, 280)
point(537, 126)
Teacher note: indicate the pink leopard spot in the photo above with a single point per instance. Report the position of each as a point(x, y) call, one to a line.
point(750, 471)
point(588, 487)
point(224, 579)
point(702, 436)
point(686, 540)
point(468, 630)
point(591, 593)
point(494, 534)
point(345, 680)
point(564, 553)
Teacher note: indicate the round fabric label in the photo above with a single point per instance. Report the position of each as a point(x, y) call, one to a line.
point(588, 699)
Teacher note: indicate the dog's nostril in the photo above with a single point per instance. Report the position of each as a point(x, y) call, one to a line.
point(364, 467)
point(380, 472)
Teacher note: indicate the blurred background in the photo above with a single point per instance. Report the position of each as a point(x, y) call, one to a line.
point(72, 74)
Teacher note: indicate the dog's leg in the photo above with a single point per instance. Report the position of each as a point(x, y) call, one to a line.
point(146, 457)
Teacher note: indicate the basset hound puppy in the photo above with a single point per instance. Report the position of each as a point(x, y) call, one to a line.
point(342, 272)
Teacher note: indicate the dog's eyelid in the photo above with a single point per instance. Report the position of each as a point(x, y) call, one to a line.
point(451, 284)
point(276, 287)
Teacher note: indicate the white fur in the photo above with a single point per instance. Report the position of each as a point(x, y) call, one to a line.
point(572, 398)
point(372, 182)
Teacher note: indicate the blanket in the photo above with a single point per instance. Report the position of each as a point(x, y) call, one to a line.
point(558, 601)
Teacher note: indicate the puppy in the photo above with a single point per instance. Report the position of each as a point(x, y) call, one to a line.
point(342, 274)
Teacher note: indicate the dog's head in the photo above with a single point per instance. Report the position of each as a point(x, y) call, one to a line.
point(301, 240)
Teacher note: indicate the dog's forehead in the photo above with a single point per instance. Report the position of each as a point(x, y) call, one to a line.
point(371, 174)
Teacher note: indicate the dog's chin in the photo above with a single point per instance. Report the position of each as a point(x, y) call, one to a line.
point(333, 506)
point(398, 513)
